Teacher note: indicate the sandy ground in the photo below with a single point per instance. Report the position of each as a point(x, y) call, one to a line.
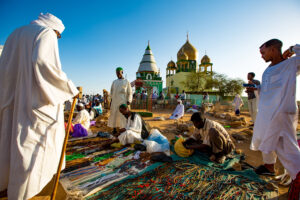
point(254, 158)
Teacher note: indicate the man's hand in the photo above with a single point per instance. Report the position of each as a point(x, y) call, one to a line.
point(250, 89)
point(122, 130)
point(287, 53)
point(77, 96)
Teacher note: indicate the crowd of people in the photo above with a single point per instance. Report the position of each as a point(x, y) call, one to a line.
point(34, 89)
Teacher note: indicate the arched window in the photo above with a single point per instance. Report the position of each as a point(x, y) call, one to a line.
point(149, 77)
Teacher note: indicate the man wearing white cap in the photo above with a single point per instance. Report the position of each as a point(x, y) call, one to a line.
point(179, 110)
point(33, 88)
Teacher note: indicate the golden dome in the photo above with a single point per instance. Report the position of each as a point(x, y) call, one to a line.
point(189, 50)
point(205, 59)
point(181, 55)
point(171, 64)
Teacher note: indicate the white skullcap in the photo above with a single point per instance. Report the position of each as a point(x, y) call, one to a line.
point(80, 104)
point(50, 21)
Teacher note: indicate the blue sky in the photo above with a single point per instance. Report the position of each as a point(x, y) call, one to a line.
point(102, 35)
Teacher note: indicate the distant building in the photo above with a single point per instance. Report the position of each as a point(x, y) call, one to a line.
point(149, 73)
point(187, 57)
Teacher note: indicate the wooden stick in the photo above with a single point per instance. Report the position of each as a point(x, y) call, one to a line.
point(62, 156)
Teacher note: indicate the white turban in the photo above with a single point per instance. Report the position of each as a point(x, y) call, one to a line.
point(179, 101)
point(50, 21)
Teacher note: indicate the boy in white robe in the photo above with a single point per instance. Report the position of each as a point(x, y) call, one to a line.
point(179, 110)
point(121, 93)
point(33, 89)
point(276, 121)
point(133, 130)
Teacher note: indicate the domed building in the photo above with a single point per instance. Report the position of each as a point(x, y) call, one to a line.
point(187, 57)
point(148, 72)
point(205, 65)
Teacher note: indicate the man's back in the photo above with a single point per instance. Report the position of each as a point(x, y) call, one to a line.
point(15, 61)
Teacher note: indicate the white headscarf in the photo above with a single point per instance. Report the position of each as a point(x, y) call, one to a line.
point(50, 21)
point(179, 101)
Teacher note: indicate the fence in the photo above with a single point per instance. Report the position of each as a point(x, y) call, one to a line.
point(142, 104)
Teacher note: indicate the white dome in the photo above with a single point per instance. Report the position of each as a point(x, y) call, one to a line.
point(148, 62)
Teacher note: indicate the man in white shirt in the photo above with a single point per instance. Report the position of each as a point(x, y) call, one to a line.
point(179, 110)
point(276, 122)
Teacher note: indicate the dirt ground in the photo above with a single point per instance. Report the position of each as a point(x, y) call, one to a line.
point(254, 158)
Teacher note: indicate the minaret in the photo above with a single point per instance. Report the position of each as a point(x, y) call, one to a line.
point(148, 63)
point(148, 71)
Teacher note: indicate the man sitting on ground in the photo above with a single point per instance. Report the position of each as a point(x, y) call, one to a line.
point(81, 122)
point(96, 109)
point(179, 110)
point(210, 137)
point(132, 132)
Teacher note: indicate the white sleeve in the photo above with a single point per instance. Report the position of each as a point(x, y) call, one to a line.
point(112, 90)
point(53, 84)
point(136, 125)
point(129, 92)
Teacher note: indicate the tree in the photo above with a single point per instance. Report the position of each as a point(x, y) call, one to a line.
point(200, 82)
point(224, 85)
point(195, 82)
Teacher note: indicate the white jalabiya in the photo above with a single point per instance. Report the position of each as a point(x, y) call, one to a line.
point(178, 112)
point(33, 88)
point(121, 93)
point(276, 121)
point(83, 118)
point(237, 102)
point(133, 130)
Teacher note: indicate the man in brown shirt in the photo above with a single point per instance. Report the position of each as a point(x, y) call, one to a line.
point(210, 136)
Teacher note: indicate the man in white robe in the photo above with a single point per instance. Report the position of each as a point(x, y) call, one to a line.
point(133, 131)
point(237, 103)
point(121, 93)
point(33, 89)
point(81, 122)
point(276, 121)
point(179, 110)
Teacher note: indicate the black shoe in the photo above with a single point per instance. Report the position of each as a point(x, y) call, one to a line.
point(262, 170)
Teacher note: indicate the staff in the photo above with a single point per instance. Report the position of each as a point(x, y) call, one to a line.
point(62, 156)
